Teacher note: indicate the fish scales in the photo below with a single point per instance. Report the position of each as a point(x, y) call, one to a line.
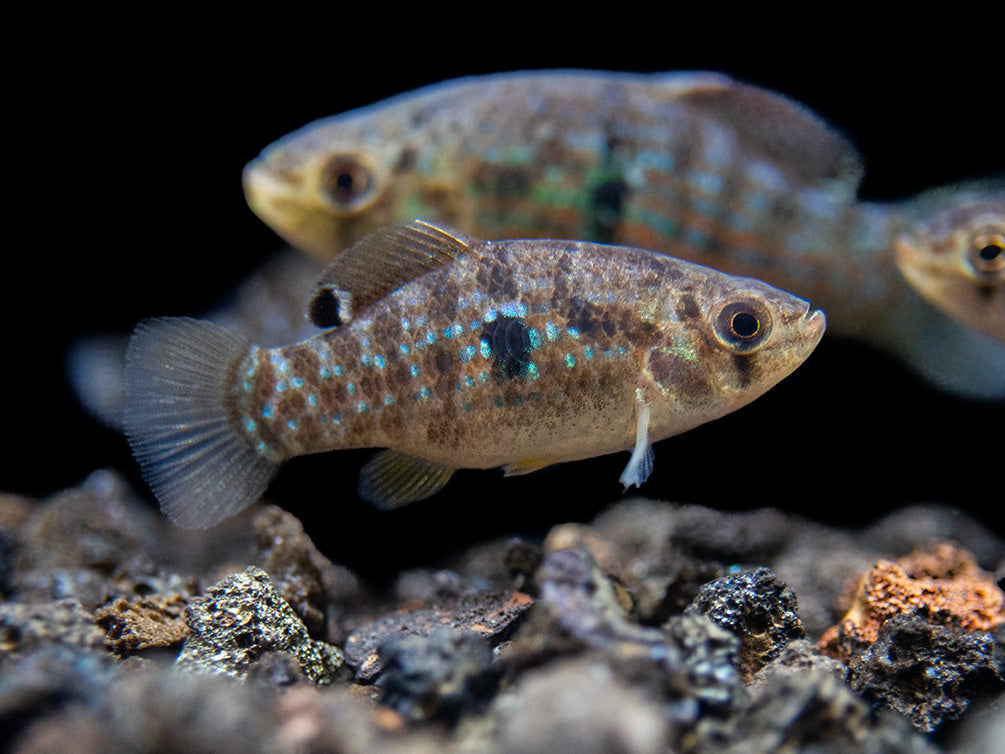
point(459, 353)
point(694, 165)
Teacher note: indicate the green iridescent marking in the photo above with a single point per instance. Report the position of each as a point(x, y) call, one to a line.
point(573, 333)
point(379, 361)
point(388, 400)
point(325, 372)
point(414, 369)
point(350, 388)
point(483, 377)
point(485, 349)
point(552, 331)
point(588, 353)
point(292, 424)
point(404, 348)
point(312, 399)
point(570, 360)
point(536, 341)
point(268, 410)
point(247, 386)
point(250, 425)
point(297, 382)
point(361, 407)
point(532, 370)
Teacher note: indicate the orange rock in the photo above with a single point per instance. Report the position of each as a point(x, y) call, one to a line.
point(945, 579)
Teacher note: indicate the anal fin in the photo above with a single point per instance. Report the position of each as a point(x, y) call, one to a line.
point(525, 466)
point(392, 479)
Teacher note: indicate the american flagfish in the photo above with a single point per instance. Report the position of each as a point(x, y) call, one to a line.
point(695, 165)
point(453, 352)
point(955, 256)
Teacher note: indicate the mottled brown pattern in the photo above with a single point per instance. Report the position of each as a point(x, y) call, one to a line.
point(416, 376)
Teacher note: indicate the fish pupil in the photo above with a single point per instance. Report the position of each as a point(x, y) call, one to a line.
point(744, 325)
point(987, 253)
point(346, 180)
point(990, 252)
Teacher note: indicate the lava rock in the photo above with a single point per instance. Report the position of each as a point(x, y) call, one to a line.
point(241, 619)
point(435, 677)
point(756, 607)
point(493, 616)
point(578, 706)
point(927, 671)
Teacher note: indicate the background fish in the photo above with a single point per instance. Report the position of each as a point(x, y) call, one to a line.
point(459, 353)
point(955, 255)
point(696, 165)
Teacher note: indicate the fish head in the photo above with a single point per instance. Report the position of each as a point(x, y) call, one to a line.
point(726, 341)
point(332, 182)
point(955, 258)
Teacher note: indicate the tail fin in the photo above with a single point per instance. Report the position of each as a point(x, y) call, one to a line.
point(197, 462)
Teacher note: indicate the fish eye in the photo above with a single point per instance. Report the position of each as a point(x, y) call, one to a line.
point(987, 253)
point(743, 325)
point(347, 181)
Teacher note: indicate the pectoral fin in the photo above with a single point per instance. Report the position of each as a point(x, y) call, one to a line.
point(640, 465)
point(392, 479)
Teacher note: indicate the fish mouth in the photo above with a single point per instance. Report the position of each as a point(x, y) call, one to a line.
point(813, 324)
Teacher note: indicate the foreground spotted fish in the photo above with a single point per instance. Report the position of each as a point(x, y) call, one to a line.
point(695, 165)
point(455, 352)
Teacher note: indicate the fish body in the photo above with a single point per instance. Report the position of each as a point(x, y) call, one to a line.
point(454, 352)
point(695, 165)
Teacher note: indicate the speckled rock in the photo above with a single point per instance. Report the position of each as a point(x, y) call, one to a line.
point(756, 607)
point(243, 618)
point(926, 671)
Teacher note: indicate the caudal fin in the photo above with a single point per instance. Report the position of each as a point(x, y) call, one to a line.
point(200, 467)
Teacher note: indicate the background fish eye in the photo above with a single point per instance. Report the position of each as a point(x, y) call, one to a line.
point(347, 181)
point(743, 325)
point(987, 253)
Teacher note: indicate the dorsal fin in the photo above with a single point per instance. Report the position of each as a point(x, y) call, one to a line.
point(381, 263)
point(780, 130)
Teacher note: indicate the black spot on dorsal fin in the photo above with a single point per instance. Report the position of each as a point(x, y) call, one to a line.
point(384, 261)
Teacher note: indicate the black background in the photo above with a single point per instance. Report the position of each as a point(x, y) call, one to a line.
point(129, 205)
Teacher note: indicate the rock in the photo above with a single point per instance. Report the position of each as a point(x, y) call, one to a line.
point(927, 671)
point(316, 588)
point(25, 627)
point(243, 618)
point(756, 607)
point(435, 677)
point(492, 616)
point(578, 706)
